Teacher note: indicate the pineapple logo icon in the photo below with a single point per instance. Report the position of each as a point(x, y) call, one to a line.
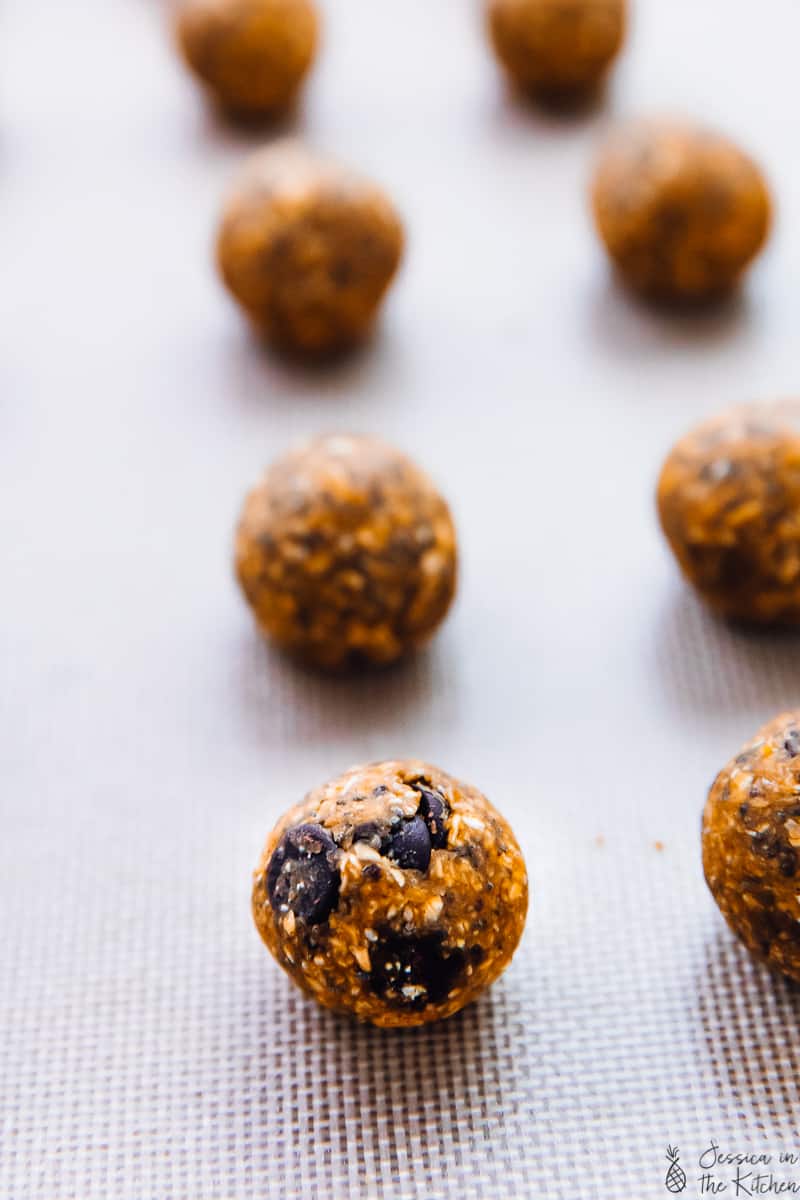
point(675, 1181)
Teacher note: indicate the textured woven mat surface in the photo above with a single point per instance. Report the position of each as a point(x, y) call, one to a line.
point(148, 1046)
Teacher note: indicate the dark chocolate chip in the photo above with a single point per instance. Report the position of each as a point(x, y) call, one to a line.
point(410, 846)
point(787, 862)
point(371, 832)
point(766, 844)
point(413, 971)
point(371, 871)
point(302, 877)
point(768, 923)
point(734, 563)
point(791, 742)
point(765, 896)
point(433, 809)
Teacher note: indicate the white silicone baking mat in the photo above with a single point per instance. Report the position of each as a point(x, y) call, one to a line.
point(149, 1048)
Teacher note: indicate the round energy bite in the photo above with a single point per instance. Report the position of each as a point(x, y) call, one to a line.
point(556, 46)
point(252, 55)
point(308, 249)
point(394, 893)
point(682, 211)
point(729, 503)
point(346, 553)
point(751, 843)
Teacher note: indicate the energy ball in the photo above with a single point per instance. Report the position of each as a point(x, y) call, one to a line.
point(252, 55)
point(751, 843)
point(729, 503)
point(394, 893)
point(554, 47)
point(681, 210)
point(308, 249)
point(346, 553)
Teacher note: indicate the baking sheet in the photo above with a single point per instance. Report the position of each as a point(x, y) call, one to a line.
point(149, 1046)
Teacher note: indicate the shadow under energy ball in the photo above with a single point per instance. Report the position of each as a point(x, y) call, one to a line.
point(346, 553)
point(308, 249)
point(252, 55)
point(556, 48)
point(751, 843)
point(394, 893)
point(682, 210)
point(729, 504)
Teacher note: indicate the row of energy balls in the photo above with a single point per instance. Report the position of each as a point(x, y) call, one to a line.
point(396, 892)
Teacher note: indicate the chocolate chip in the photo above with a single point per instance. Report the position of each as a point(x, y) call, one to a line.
point(302, 877)
point(769, 924)
point(370, 832)
point(787, 862)
point(410, 846)
point(433, 809)
point(766, 843)
point(371, 871)
point(791, 742)
point(413, 971)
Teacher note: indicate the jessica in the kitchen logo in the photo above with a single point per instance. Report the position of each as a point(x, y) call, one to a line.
point(725, 1171)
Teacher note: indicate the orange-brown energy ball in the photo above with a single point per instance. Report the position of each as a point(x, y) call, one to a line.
point(751, 843)
point(682, 211)
point(346, 553)
point(308, 249)
point(729, 503)
point(252, 55)
point(394, 893)
point(556, 46)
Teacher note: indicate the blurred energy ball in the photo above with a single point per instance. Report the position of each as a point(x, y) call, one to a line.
point(308, 249)
point(556, 47)
point(252, 55)
point(682, 211)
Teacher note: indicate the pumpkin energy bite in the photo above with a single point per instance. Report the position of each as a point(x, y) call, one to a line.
point(682, 211)
point(394, 893)
point(307, 249)
point(556, 48)
point(751, 843)
point(729, 503)
point(252, 55)
point(346, 553)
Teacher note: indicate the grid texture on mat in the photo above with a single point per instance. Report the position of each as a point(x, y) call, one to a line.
point(148, 1046)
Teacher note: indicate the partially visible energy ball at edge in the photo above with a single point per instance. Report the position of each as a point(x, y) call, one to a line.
point(682, 210)
point(252, 55)
point(346, 553)
point(308, 249)
point(394, 893)
point(556, 47)
point(729, 504)
point(751, 843)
